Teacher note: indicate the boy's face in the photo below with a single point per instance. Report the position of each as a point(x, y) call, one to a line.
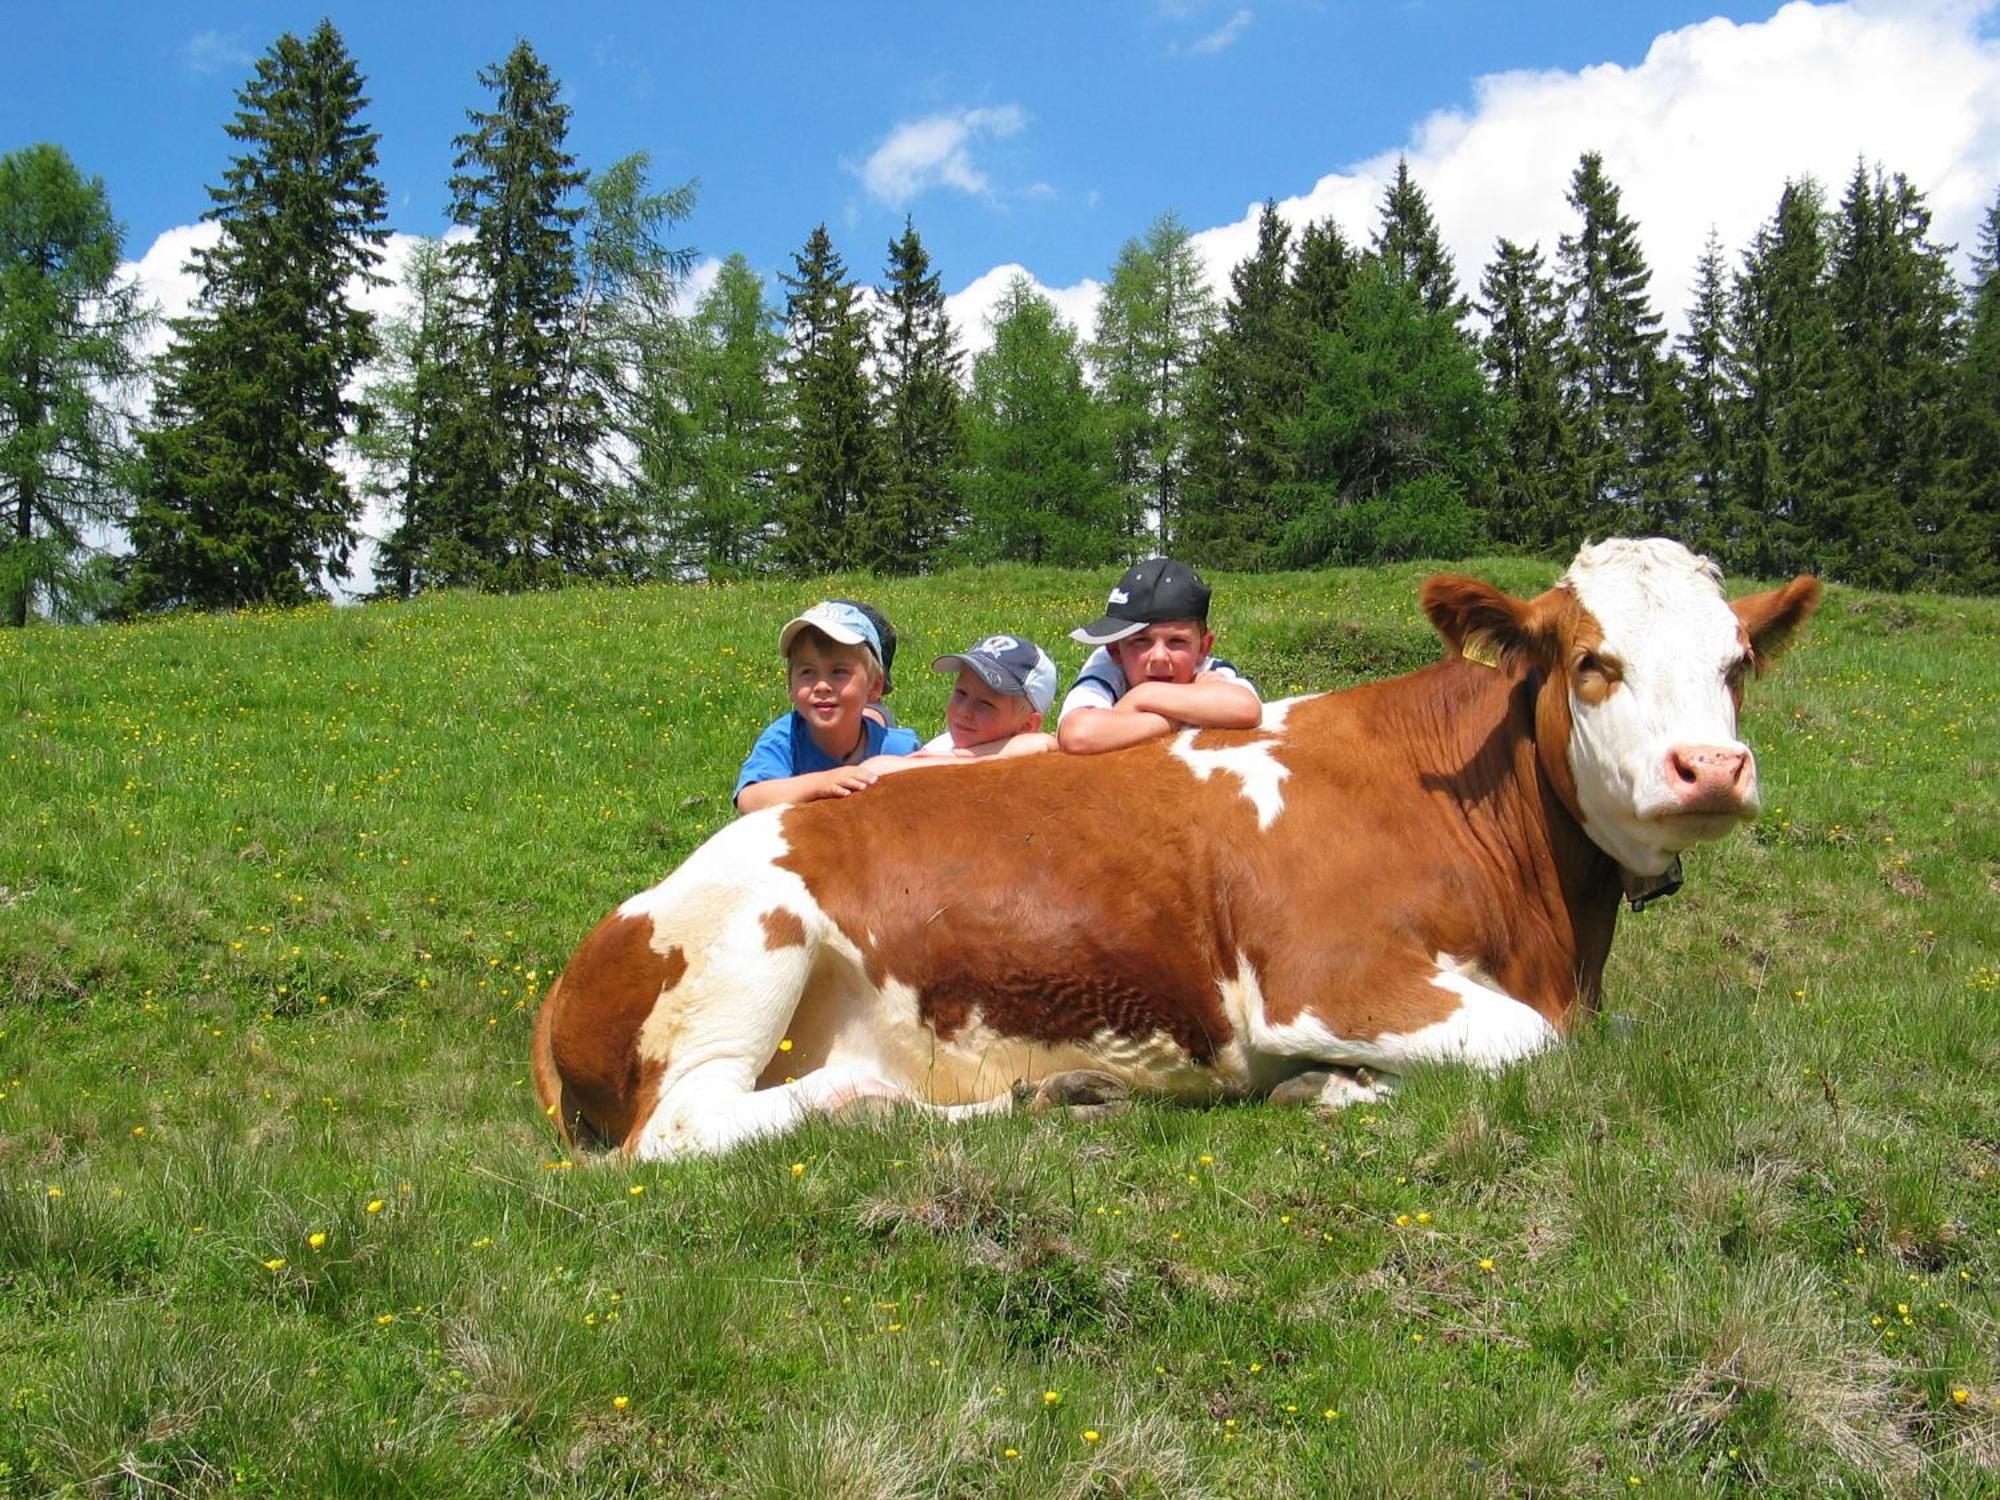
point(1165, 651)
point(978, 713)
point(830, 684)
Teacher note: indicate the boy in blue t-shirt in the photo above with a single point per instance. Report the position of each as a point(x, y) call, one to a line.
point(833, 661)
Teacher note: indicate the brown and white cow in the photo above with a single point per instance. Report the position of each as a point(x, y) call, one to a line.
point(1420, 870)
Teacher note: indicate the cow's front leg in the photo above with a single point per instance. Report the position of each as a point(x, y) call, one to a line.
point(1333, 1088)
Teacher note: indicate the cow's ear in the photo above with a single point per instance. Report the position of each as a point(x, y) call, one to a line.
point(1771, 619)
point(1481, 623)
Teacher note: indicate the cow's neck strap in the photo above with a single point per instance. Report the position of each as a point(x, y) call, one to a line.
point(1642, 890)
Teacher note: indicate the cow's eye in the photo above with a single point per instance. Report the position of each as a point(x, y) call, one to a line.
point(1590, 664)
point(1739, 669)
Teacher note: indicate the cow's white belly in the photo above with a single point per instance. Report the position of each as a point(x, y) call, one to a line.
point(1489, 1029)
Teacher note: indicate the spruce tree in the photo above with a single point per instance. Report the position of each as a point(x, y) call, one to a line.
point(1410, 249)
point(1894, 307)
point(1709, 398)
point(242, 499)
point(1321, 273)
point(1522, 356)
point(1042, 487)
point(828, 496)
point(923, 429)
point(1970, 541)
point(68, 327)
point(1611, 355)
point(522, 508)
point(1782, 358)
point(1249, 384)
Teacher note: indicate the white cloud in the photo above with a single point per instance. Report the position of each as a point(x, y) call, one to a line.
point(971, 309)
point(1704, 131)
point(213, 52)
point(1223, 36)
point(936, 151)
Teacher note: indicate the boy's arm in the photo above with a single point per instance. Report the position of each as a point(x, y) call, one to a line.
point(1012, 748)
point(1211, 701)
point(841, 781)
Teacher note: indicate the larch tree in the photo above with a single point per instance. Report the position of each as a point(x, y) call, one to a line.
point(242, 498)
point(1154, 316)
point(713, 438)
point(68, 333)
point(1042, 486)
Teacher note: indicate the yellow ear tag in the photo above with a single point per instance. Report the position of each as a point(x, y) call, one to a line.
point(1480, 648)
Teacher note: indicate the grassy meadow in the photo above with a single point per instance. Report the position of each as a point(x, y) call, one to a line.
point(279, 1215)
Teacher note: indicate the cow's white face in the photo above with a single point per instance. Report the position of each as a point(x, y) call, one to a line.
point(1653, 693)
point(1643, 664)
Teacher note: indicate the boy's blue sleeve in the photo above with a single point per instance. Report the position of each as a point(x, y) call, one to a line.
point(900, 741)
point(769, 759)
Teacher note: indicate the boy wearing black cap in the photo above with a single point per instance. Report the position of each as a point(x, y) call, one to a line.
point(1153, 671)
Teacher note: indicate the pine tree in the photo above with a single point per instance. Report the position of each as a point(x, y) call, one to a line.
point(1410, 249)
point(1042, 487)
point(1782, 358)
point(1894, 307)
point(1151, 323)
point(68, 326)
point(1522, 356)
point(1249, 383)
point(1610, 373)
point(1321, 274)
point(835, 480)
point(521, 509)
point(243, 500)
point(712, 439)
point(1970, 541)
point(1709, 398)
point(923, 429)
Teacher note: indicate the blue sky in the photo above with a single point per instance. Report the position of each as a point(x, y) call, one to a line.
point(1044, 135)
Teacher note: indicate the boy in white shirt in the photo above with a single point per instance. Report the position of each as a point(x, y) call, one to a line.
point(1154, 671)
point(1005, 686)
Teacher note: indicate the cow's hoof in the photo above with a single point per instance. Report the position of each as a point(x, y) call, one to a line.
point(1082, 1089)
point(1301, 1090)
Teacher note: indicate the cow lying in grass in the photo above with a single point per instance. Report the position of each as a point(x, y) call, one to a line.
point(1412, 871)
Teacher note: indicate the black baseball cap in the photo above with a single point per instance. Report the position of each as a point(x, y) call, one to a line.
point(1157, 589)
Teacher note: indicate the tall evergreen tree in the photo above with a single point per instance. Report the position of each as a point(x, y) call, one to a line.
point(1042, 487)
point(67, 331)
point(1709, 398)
point(423, 395)
point(1781, 357)
point(1151, 323)
point(923, 429)
point(834, 482)
point(1396, 445)
point(242, 499)
point(521, 506)
point(1249, 385)
point(1611, 355)
point(1894, 307)
point(1523, 359)
point(1970, 542)
point(1321, 273)
point(712, 440)
point(1411, 251)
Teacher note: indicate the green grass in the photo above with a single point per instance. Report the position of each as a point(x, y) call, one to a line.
point(279, 893)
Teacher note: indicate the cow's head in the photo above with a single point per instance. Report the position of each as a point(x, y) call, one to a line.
point(1641, 665)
